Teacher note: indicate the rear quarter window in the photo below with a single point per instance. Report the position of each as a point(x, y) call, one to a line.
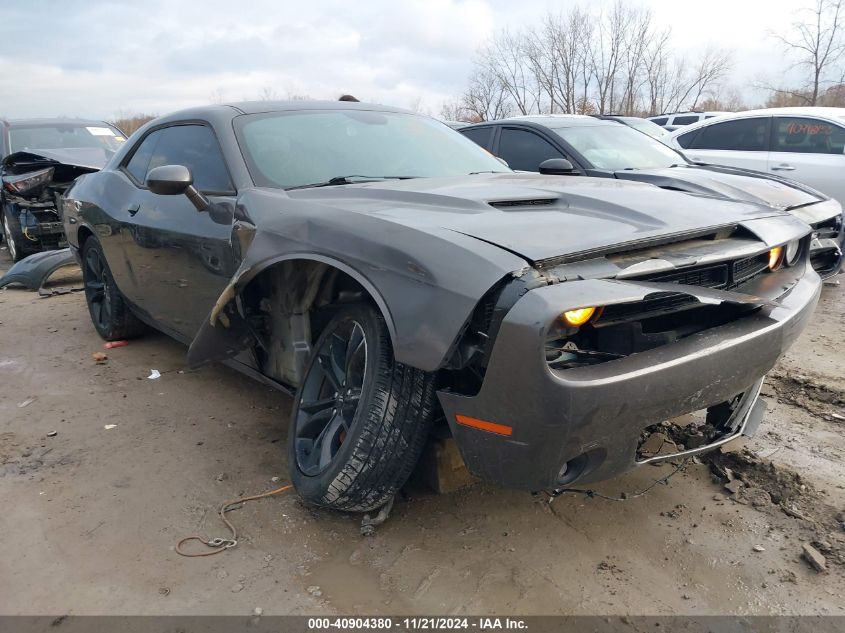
point(685, 120)
point(482, 136)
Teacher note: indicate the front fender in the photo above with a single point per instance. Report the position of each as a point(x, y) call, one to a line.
point(425, 282)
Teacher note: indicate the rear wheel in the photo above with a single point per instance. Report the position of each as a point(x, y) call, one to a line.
point(359, 419)
point(108, 309)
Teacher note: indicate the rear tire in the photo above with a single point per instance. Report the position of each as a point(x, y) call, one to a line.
point(109, 311)
point(355, 451)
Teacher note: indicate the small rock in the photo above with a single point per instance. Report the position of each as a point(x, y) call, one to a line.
point(275, 480)
point(734, 486)
point(314, 590)
point(257, 611)
point(268, 558)
point(99, 357)
point(718, 497)
point(222, 477)
point(814, 557)
point(759, 548)
point(686, 596)
point(164, 591)
point(237, 587)
point(222, 574)
point(52, 434)
point(836, 416)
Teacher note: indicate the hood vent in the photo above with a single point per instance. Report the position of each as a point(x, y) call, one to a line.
point(509, 204)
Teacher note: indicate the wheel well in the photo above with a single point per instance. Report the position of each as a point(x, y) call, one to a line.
point(288, 305)
point(83, 234)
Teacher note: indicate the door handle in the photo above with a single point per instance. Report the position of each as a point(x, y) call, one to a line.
point(133, 209)
point(783, 167)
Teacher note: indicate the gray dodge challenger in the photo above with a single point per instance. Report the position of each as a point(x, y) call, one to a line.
point(400, 280)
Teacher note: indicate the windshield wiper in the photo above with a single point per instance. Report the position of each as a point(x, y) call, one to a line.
point(489, 171)
point(348, 180)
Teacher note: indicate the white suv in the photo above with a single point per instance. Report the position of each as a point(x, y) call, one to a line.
point(805, 144)
point(680, 119)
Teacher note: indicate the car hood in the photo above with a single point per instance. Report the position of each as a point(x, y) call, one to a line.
point(86, 158)
point(539, 217)
point(728, 182)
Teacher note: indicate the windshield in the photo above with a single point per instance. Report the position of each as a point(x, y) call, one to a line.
point(616, 147)
point(307, 147)
point(647, 127)
point(64, 136)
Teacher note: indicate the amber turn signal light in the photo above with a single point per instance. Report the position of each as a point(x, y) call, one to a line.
point(775, 257)
point(578, 317)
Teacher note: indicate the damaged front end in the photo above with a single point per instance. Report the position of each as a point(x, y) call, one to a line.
point(631, 358)
point(32, 187)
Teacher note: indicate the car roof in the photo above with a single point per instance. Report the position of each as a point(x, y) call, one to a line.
point(227, 110)
point(832, 114)
point(257, 107)
point(55, 121)
point(553, 121)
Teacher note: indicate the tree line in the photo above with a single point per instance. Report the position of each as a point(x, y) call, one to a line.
point(617, 60)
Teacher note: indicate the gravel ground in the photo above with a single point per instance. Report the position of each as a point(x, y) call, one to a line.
point(93, 511)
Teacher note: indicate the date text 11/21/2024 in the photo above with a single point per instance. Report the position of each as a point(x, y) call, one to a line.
point(417, 623)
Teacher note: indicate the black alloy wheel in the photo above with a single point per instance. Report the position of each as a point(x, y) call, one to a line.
point(97, 291)
point(329, 398)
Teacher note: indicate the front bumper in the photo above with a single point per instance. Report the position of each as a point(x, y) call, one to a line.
point(594, 415)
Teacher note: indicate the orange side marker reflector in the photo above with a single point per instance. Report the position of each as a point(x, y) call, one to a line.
point(490, 427)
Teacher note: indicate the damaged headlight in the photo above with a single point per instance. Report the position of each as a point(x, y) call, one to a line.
point(26, 182)
point(788, 255)
point(792, 252)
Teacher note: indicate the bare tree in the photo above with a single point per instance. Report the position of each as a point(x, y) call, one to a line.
point(819, 45)
point(504, 57)
point(268, 93)
point(486, 98)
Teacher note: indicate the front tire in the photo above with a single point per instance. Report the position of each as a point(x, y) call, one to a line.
point(108, 309)
point(16, 242)
point(359, 419)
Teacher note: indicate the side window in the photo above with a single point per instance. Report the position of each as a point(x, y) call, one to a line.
point(685, 120)
point(137, 165)
point(809, 136)
point(685, 140)
point(744, 135)
point(661, 121)
point(525, 150)
point(481, 135)
point(195, 147)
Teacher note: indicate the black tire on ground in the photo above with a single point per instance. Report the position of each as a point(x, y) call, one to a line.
point(367, 446)
point(109, 312)
point(17, 243)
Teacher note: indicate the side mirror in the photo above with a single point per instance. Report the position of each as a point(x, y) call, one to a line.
point(557, 167)
point(176, 180)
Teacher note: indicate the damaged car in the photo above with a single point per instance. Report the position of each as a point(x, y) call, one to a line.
point(400, 281)
point(605, 149)
point(40, 158)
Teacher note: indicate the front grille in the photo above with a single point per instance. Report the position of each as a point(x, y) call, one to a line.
point(654, 305)
point(715, 276)
point(722, 276)
point(748, 268)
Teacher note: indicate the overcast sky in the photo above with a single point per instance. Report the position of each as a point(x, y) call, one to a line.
point(98, 58)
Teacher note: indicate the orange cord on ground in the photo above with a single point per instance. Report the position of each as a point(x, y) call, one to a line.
point(221, 544)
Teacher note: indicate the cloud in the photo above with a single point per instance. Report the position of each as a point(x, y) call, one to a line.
point(106, 57)
point(95, 58)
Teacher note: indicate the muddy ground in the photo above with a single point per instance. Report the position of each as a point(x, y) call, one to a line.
point(91, 515)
